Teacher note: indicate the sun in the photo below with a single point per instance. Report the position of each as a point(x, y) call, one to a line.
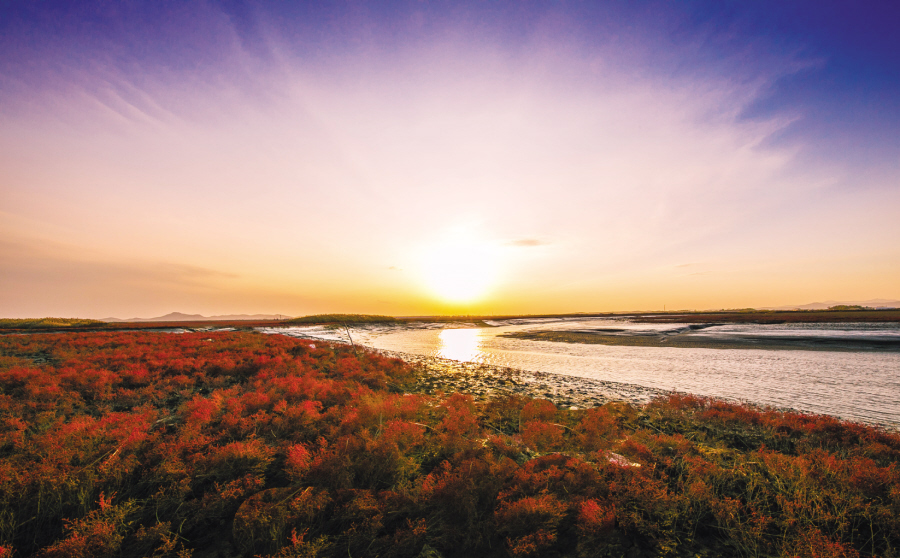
point(460, 269)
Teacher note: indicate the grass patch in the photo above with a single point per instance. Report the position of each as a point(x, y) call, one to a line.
point(343, 319)
point(48, 323)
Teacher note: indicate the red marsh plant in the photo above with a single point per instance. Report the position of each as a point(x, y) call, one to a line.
point(234, 443)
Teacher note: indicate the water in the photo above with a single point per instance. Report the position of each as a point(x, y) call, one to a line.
point(855, 385)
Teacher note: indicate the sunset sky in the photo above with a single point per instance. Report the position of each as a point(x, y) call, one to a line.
point(413, 158)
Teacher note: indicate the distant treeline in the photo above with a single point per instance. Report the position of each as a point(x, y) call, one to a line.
point(42, 323)
point(837, 308)
point(342, 318)
point(832, 315)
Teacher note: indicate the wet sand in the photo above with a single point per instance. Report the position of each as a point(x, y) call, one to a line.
point(484, 381)
point(689, 341)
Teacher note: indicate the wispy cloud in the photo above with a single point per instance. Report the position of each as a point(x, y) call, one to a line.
point(305, 159)
point(527, 242)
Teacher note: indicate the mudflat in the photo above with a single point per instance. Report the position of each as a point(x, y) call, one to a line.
point(770, 317)
point(695, 341)
point(486, 381)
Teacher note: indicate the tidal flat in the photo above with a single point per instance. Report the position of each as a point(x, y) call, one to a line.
point(486, 381)
point(697, 339)
point(821, 367)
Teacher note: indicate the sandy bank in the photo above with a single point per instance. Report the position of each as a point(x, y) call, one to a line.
point(484, 381)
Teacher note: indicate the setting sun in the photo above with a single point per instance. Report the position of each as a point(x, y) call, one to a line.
point(446, 279)
point(460, 269)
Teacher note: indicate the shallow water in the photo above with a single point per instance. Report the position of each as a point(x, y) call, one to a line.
point(862, 386)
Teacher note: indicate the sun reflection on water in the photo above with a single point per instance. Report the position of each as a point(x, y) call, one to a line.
point(460, 344)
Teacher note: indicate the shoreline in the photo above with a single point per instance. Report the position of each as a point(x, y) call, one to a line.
point(484, 381)
point(688, 341)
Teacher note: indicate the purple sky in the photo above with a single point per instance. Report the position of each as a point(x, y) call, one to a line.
point(412, 158)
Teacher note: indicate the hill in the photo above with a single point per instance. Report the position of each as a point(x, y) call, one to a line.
point(180, 317)
point(872, 303)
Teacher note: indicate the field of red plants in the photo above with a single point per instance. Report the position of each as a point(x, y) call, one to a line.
point(241, 444)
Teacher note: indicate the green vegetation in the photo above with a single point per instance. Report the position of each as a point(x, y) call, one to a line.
point(847, 308)
point(239, 444)
point(776, 316)
point(342, 318)
point(48, 323)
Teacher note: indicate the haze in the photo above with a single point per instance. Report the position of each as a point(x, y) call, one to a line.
point(426, 158)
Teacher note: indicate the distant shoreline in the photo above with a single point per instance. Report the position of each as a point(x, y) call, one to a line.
point(688, 341)
point(770, 317)
point(682, 317)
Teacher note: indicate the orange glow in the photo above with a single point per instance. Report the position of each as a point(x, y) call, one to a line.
point(460, 269)
point(581, 191)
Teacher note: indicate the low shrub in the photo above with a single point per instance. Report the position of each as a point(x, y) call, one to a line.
point(235, 443)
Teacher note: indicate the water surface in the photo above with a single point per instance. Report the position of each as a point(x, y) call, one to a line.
point(855, 385)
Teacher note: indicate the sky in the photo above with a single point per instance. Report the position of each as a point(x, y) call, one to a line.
point(418, 158)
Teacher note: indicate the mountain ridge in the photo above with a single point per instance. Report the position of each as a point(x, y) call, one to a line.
point(825, 305)
point(182, 317)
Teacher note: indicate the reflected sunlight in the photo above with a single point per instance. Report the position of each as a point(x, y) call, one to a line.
point(460, 344)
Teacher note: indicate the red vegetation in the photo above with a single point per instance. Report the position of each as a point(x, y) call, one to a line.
point(156, 444)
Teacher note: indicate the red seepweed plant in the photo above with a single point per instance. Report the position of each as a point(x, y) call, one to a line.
point(155, 444)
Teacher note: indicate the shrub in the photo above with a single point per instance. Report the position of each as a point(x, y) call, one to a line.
point(530, 523)
point(539, 409)
point(542, 436)
point(226, 443)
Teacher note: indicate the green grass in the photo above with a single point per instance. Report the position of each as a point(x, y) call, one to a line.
point(47, 323)
point(342, 318)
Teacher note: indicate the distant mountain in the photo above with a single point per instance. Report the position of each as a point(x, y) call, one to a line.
point(873, 303)
point(179, 317)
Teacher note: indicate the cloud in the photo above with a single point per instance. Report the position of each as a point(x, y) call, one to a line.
point(527, 242)
point(305, 168)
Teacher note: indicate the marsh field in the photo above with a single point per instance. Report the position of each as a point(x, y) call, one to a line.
point(364, 279)
point(235, 443)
